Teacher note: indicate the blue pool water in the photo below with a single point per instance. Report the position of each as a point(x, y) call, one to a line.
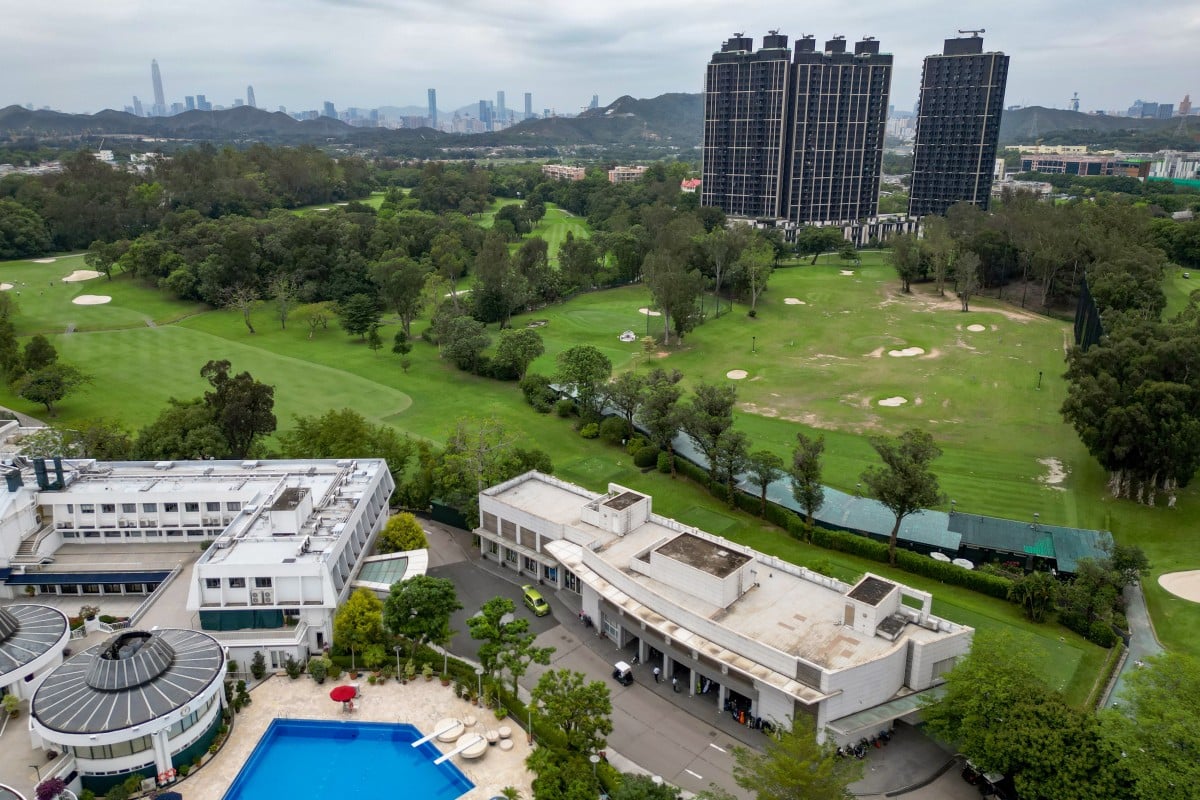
point(302, 759)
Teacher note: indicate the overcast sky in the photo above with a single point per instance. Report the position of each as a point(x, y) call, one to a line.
point(78, 56)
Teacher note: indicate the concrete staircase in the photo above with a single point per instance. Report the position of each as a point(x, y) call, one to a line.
point(27, 551)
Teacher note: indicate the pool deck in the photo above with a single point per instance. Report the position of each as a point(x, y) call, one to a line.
point(420, 703)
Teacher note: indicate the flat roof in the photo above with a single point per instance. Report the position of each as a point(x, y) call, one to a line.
point(704, 555)
point(108, 688)
point(27, 632)
point(872, 590)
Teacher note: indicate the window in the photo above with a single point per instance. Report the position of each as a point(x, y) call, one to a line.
point(91, 588)
point(112, 588)
point(530, 565)
point(174, 533)
point(262, 583)
point(133, 588)
point(572, 581)
point(108, 508)
point(212, 583)
point(493, 548)
point(68, 588)
point(510, 555)
point(234, 506)
point(212, 506)
point(87, 508)
point(128, 508)
point(191, 507)
point(150, 507)
point(237, 583)
point(70, 508)
point(170, 508)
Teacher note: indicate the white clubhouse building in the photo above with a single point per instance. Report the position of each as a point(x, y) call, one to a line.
point(766, 638)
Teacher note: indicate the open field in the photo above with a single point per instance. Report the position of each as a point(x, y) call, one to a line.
point(374, 200)
point(553, 227)
point(811, 359)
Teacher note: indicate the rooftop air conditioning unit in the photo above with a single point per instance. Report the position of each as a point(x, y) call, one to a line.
point(268, 597)
point(256, 597)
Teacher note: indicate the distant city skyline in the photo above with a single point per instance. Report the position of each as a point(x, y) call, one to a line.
point(300, 53)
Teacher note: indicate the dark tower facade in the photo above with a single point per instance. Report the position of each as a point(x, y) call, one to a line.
point(745, 123)
point(962, 97)
point(797, 138)
point(431, 95)
point(160, 100)
point(839, 113)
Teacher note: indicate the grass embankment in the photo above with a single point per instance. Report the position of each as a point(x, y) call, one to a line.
point(813, 367)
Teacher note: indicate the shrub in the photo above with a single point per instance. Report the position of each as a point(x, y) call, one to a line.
point(258, 665)
point(664, 462)
point(752, 313)
point(590, 431)
point(635, 443)
point(565, 407)
point(537, 391)
point(292, 667)
point(184, 769)
point(50, 788)
point(1101, 633)
point(318, 668)
point(613, 430)
point(646, 457)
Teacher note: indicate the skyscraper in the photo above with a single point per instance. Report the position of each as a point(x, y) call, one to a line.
point(160, 99)
point(189, 102)
point(250, 97)
point(432, 93)
point(529, 105)
point(137, 107)
point(329, 110)
point(962, 96)
point(795, 138)
point(501, 113)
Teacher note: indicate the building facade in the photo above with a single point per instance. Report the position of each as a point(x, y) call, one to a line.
point(32, 641)
point(962, 97)
point(796, 137)
point(626, 174)
point(760, 636)
point(563, 173)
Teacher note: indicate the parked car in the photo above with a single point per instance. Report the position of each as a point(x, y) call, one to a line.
point(534, 601)
point(622, 673)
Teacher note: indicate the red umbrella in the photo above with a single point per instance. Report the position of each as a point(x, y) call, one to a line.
point(342, 694)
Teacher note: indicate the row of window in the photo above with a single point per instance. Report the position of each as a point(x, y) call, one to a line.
point(98, 588)
point(237, 583)
point(137, 533)
point(170, 508)
point(141, 743)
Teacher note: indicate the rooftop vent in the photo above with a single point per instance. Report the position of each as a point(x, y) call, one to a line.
point(249, 464)
point(164, 465)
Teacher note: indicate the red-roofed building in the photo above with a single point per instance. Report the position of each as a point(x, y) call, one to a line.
point(689, 185)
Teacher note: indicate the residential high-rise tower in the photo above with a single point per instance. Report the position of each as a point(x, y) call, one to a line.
point(250, 97)
point(160, 99)
point(962, 97)
point(432, 97)
point(501, 113)
point(797, 138)
point(529, 105)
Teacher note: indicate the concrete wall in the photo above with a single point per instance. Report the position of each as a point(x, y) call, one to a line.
point(865, 685)
point(925, 656)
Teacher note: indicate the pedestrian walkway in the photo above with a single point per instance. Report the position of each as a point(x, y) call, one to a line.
point(1143, 643)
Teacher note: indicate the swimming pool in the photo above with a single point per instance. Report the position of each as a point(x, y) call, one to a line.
point(300, 759)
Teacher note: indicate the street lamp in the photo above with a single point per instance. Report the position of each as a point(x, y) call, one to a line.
point(398, 648)
point(753, 339)
point(595, 759)
point(479, 674)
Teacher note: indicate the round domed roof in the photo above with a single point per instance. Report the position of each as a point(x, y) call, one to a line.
point(28, 632)
point(132, 678)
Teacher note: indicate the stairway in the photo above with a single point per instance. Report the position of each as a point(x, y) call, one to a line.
point(27, 551)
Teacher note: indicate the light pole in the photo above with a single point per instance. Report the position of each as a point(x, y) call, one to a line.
point(479, 674)
point(398, 648)
point(595, 759)
point(753, 346)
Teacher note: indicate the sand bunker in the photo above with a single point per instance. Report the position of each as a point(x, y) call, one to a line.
point(81, 275)
point(976, 328)
point(92, 300)
point(1182, 584)
point(892, 402)
point(793, 301)
point(650, 313)
point(907, 352)
point(847, 272)
point(44, 260)
point(736, 374)
point(4, 287)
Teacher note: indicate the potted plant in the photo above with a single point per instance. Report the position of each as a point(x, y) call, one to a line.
point(427, 671)
point(89, 612)
point(12, 705)
point(50, 789)
point(318, 670)
point(30, 591)
point(410, 670)
point(445, 679)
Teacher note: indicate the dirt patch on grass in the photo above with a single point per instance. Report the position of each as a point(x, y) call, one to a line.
point(762, 411)
point(1055, 473)
point(892, 402)
point(876, 353)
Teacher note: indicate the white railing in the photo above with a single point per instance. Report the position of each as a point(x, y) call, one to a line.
point(113, 627)
point(144, 606)
point(294, 635)
point(79, 633)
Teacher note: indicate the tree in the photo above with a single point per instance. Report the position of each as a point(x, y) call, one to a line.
point(1036, 593)
point(182, 430)
point(499, 289)
point(101, 439)
point(241, 407)
point(316, 316)
point(284, 292)
point(765, 468)
point(374, 341)
point(419, 609)
point(1129, 562)
point(561, 775)
point(1156, 727)
point(966, 273)
point(583, 370)
point(481, 453)
point(731, 460)
point(904, 483)
point(507, 643)
point(707, 418)
point(358, 313)
point(675, 288)
point(625, 394)
point(660, 413)
point(722, 248)
point(400, 281)
point(358, 624)
point(794, 767)
point(244, 299)
point(805, 473)
point(11, 363)
point(904, 253)
point(812, 240)
point(345, 433)
point(939, 249)
point(22, 232)
point(517, 349)
point(401, 344)
point(103, 256)
point(449, 258)
point(38, 353)
point(50, 384)
point(581, 709)
point(464, 342)
point(757, 262)
point(401, 533)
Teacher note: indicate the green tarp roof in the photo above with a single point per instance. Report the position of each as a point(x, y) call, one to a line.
point(1067, 545)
